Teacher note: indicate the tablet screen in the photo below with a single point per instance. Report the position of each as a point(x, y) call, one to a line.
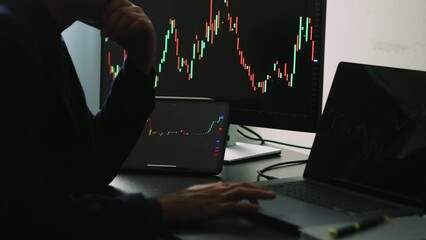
point(182, 135)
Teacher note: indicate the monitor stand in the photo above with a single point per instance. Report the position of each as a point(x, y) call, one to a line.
point(238, 151)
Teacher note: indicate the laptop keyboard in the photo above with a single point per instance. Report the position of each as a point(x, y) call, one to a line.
point(329, 197)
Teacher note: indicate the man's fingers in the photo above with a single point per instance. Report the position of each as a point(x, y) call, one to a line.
point(253, 185)
point(248, 193)
point(237, 207)
point(225, 187)
point(110, 22)
point(207, 201)
point(219, 184)
point(118, 19)
point(115, 29)
point(245, 186)
point(114, 5)
point(139, 25)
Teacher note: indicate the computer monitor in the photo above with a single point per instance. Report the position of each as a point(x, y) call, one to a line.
point(265, 57)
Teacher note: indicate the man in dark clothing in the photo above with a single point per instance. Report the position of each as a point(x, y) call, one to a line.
point(59, 154)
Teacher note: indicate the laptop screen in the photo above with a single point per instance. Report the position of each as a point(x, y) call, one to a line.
point(372, 134)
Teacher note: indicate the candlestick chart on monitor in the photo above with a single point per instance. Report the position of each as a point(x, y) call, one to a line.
point(264, 57)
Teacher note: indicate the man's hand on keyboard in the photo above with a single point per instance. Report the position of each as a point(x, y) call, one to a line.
point(208, 201)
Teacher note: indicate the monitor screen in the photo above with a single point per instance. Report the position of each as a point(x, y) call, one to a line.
point(264, 57)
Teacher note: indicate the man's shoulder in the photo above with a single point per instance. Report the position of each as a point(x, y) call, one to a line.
point(15, 30)
point(11, 23)
point(7, 14)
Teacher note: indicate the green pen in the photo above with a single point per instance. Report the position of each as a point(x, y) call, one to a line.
point(357, 226)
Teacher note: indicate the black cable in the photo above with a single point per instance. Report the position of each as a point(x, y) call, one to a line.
point(263, 141)
point(261, 172)
point(259, 138)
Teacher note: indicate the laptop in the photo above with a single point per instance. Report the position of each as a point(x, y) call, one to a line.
point(366, 158)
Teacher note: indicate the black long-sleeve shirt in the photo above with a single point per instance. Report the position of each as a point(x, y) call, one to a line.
point(55, 153)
